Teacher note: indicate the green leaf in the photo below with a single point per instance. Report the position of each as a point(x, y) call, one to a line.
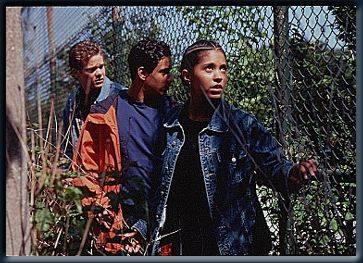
point(349, 216)
point(44, 219)
point(333, 225)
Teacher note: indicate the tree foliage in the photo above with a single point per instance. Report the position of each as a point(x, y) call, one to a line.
point(245, 41)
point(345, 23)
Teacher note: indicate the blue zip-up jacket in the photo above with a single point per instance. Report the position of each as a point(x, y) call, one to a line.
point(234, 148)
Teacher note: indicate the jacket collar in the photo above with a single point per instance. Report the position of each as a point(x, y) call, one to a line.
point(219, 121)
point(105, 90)
point(104, 105)
point(220, 117)
point(172, 120)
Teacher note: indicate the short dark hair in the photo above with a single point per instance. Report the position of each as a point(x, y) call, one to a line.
point(191, 54)
point(81, 52)
point(147, 53)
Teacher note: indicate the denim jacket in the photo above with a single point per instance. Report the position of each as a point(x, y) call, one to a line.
point(234, 149)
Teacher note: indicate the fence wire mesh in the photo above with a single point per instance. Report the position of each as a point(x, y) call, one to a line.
point(293, 67)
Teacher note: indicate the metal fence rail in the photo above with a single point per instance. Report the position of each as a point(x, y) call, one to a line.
point(292, 67)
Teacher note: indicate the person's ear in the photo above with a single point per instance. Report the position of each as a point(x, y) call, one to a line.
point(186, 76)
point(142, 74)
point(75, 73)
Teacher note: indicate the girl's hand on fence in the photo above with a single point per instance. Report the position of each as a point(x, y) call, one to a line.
point(301, 174)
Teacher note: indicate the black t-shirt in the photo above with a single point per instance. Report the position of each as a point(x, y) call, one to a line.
point(187, 208)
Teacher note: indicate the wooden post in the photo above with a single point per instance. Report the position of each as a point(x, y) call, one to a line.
point(17, 212)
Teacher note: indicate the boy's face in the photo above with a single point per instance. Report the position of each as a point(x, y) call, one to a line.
point(93, 74)
point(158, 82)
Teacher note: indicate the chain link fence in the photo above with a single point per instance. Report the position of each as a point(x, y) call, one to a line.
point(293, 67)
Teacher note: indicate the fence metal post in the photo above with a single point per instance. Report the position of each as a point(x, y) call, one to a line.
point(119, 45)
point(52, 53)
point(52, 66)
point(282, 94)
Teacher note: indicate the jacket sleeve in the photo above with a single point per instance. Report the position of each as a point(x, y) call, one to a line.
point(271, 164)
point(97, 158)
point(99, 165)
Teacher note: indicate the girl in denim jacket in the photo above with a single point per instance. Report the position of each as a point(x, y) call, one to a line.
point(206, 201)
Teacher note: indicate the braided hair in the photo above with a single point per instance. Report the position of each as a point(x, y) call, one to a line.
point(192, 54)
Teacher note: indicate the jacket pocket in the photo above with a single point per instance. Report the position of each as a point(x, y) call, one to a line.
point(238, 167)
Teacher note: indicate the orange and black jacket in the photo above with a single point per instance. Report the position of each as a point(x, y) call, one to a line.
point(98, 158)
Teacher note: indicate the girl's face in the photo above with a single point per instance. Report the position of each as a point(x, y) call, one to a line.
point(209, 76)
